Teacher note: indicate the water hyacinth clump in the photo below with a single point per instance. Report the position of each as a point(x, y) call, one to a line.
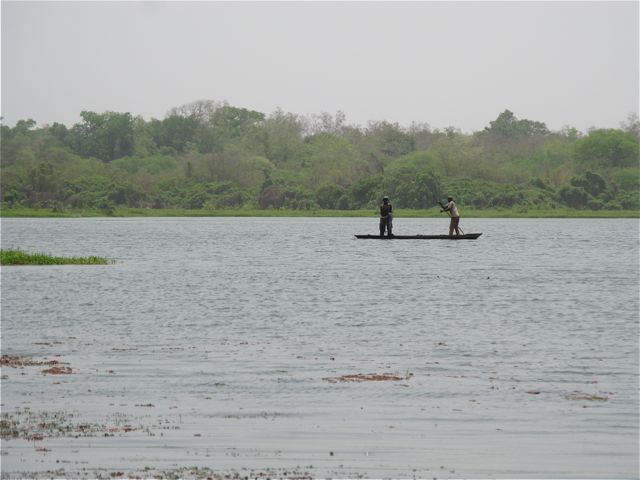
point(20, 257)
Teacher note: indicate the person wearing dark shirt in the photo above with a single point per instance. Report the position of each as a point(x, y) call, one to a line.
point(386, 217)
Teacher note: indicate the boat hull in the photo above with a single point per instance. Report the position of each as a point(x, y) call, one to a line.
point(466, 236)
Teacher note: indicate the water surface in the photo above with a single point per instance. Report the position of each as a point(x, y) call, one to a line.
point(212, 339)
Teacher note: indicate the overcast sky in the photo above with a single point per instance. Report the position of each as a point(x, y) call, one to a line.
point(443, 63)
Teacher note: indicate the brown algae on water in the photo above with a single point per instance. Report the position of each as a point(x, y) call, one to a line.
point(16, 361)
point(58, 371)
point(577, 395)
point(368, 377)
point(30, 425)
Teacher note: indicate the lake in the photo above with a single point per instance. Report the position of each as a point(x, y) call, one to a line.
point(224, 346)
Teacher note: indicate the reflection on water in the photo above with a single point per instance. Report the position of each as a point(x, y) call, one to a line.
point(210, 341)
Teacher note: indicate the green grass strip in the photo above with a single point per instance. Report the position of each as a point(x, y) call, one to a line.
point(19, 257)
point(245, 212)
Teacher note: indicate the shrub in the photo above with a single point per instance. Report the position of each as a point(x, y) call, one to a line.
point(575, 197)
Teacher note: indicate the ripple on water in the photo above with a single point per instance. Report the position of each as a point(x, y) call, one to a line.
point(228, 326)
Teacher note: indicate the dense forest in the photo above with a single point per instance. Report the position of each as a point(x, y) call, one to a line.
point(211, 155)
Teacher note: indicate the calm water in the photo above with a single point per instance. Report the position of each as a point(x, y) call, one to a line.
point(210, 338)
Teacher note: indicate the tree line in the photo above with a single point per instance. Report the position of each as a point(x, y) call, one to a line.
point(212, 155)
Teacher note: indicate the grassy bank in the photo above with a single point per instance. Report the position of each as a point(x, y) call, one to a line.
point(19, 257)
point(401, 213)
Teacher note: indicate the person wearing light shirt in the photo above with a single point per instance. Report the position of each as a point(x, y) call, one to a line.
point(452, 209)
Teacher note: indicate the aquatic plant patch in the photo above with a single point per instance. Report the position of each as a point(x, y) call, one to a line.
point(20, 257)
point(191, 472)
point(58, 371)
point(576, 395)
point(27, 424)
point(15, 361)
point(367, 377)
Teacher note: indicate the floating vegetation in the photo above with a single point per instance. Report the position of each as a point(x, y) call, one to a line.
point(20, 257)
point(576, 395)
point(58, 371)
point(35, 426)
point(15, 361)
point(297, 473)
point(30, 425)
point(369, 377)
point(191, 472)
point(56, 367)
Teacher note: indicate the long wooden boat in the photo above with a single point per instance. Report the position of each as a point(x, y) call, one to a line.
point(466, 236)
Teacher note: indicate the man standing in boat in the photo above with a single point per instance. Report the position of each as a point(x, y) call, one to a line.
point(386, 217)
point(452, 209)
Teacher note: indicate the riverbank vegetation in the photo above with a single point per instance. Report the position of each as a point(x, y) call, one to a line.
point(209, 158)
point(21, 212)
point(19, 257)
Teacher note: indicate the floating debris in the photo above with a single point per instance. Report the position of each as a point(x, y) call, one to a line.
point(15, 361)
point(36, 426)
point(58, 371)
point(576, 395)
point(369, 377)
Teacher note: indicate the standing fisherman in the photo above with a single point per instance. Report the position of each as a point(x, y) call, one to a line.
point(386, 217)
point(451, 208)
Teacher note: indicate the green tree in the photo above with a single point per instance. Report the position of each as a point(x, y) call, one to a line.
point(174, 132)
point(105, 136)
point(592, 183)
point(508, 126)
point(411, 182)
point(390, 140)
point(59, 131)
point(632, 125)
point(608, 148)
point(331, 160)
point(366, 192)
point(627, 179)
point(328, 196)
point(281, 135)
point(233, 122)
point(574, 197)
point(24, 126)
point(17, 144)
point(153, 164)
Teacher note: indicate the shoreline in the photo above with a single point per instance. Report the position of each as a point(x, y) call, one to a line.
point(404, 213)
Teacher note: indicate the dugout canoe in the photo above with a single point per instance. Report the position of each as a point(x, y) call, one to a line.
point(466, 236)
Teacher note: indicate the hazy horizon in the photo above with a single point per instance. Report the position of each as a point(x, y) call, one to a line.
point(446, 64)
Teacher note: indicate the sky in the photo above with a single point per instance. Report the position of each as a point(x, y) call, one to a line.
point(443, 63)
